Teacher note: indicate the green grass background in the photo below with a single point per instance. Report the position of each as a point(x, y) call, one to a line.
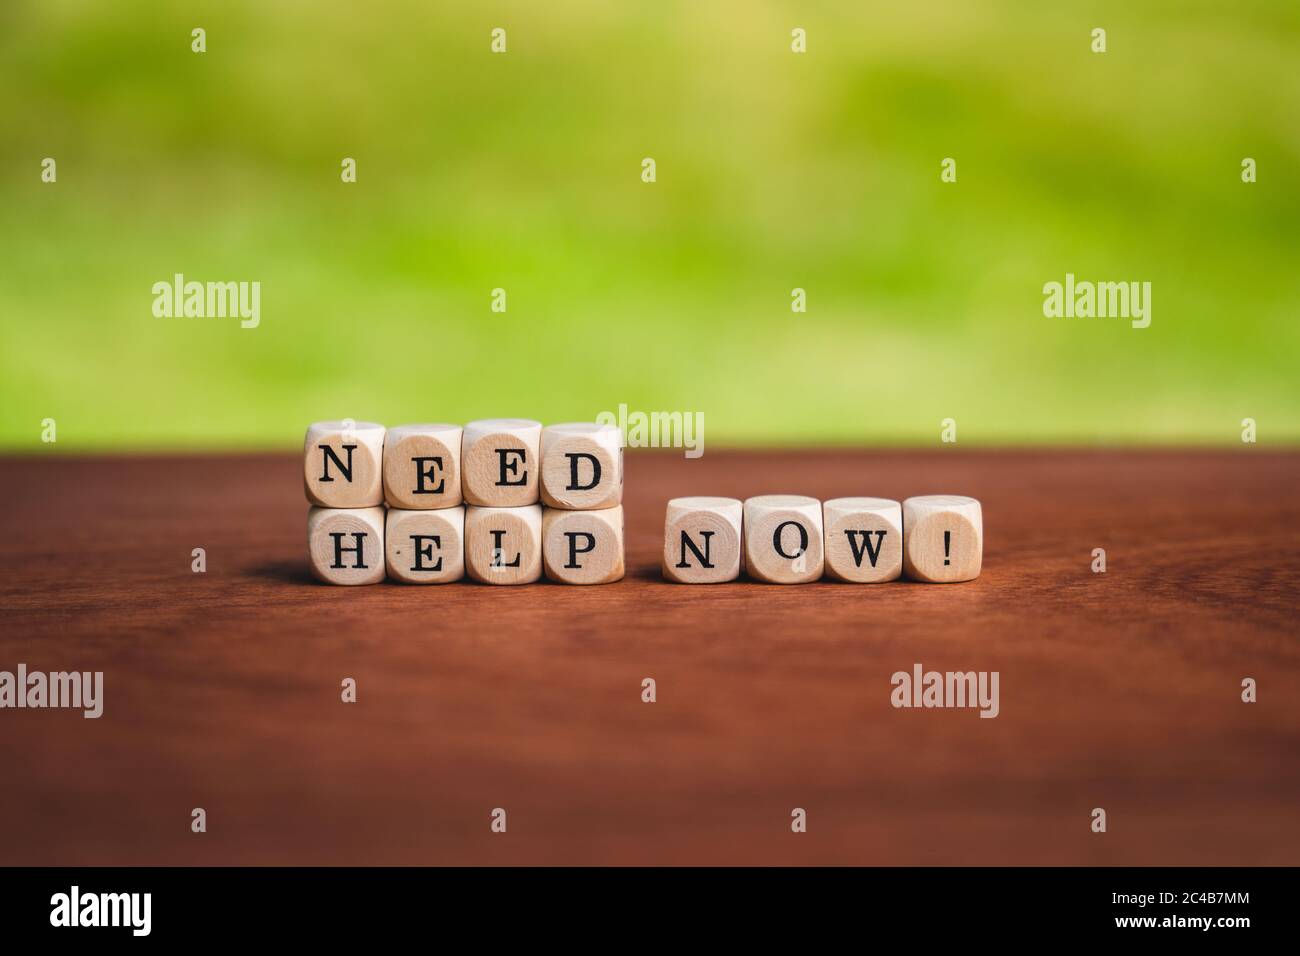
point(775, 170)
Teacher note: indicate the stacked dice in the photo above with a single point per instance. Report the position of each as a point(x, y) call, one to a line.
point(465, 501)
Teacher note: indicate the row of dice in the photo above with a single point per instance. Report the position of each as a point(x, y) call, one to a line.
point(791, 539)
point(498, 463)
point(489, 545)
point(464, 501)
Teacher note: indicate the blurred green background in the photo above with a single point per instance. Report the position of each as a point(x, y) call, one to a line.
point(774, 171)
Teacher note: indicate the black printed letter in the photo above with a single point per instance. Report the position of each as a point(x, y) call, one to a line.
point(574, 550)
point(422, 472)
point(423, 551)
point(688, 543)
point(872, 553)
point(803, 539)
point(498, 553)
point(338, 462)
point(358, 537)
point(512, 466)
point(573, 471)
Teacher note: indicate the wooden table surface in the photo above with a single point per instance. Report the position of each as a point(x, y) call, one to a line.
point(222, 690)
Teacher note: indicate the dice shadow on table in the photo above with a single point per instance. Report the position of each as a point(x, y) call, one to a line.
point(286, 572)
point(653, 573)
point(295, 572)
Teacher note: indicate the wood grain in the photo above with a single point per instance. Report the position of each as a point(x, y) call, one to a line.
point(345, 546)
point(503, 546)
point(343, 464)
point(500, 462)
point(943, 538)
point(784, 540)
point(421, 465)
point(583, 547)
point(863, 539)
point(425, 547)
point(701, 539)
point(582, 466)
point(222, 690)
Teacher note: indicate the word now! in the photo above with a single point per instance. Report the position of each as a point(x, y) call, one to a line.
point(791, 539)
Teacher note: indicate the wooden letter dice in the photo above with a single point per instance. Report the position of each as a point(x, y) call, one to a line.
point(702, 540)
point(346, 545)
point(783, 539)
point(944, 538)
point(499, 462)
point(864, 539)
point(504, 545)
point(425, 547)
point(583, 547)
point(422, 467)
point(343, 464)
point(582, 466)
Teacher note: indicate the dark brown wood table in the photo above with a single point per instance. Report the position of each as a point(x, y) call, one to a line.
point(1119, 690)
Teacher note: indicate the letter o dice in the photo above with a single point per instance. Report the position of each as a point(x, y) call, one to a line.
point(346, 545)
point(944, 538)
point(583, 547)
point(783, 539)
point(702, 543)
point(422, 467)
point(343, 464)
point(499, 462)
point(582, 466)
point(503, 545)
point(425, 547)
point(864, 539)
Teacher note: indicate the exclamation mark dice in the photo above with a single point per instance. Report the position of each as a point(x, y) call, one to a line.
point(943, 538)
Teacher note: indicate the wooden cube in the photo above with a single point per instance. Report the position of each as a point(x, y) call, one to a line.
point(425, 547)
point(702, 542)
point(343, 464)
point(422, 467)
point(943, 538)
point(504, 545)
point(783, 539)
point(863, 539)
point(499, 462)
point(582, 466)
point(346, 545)
point(583, 547)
